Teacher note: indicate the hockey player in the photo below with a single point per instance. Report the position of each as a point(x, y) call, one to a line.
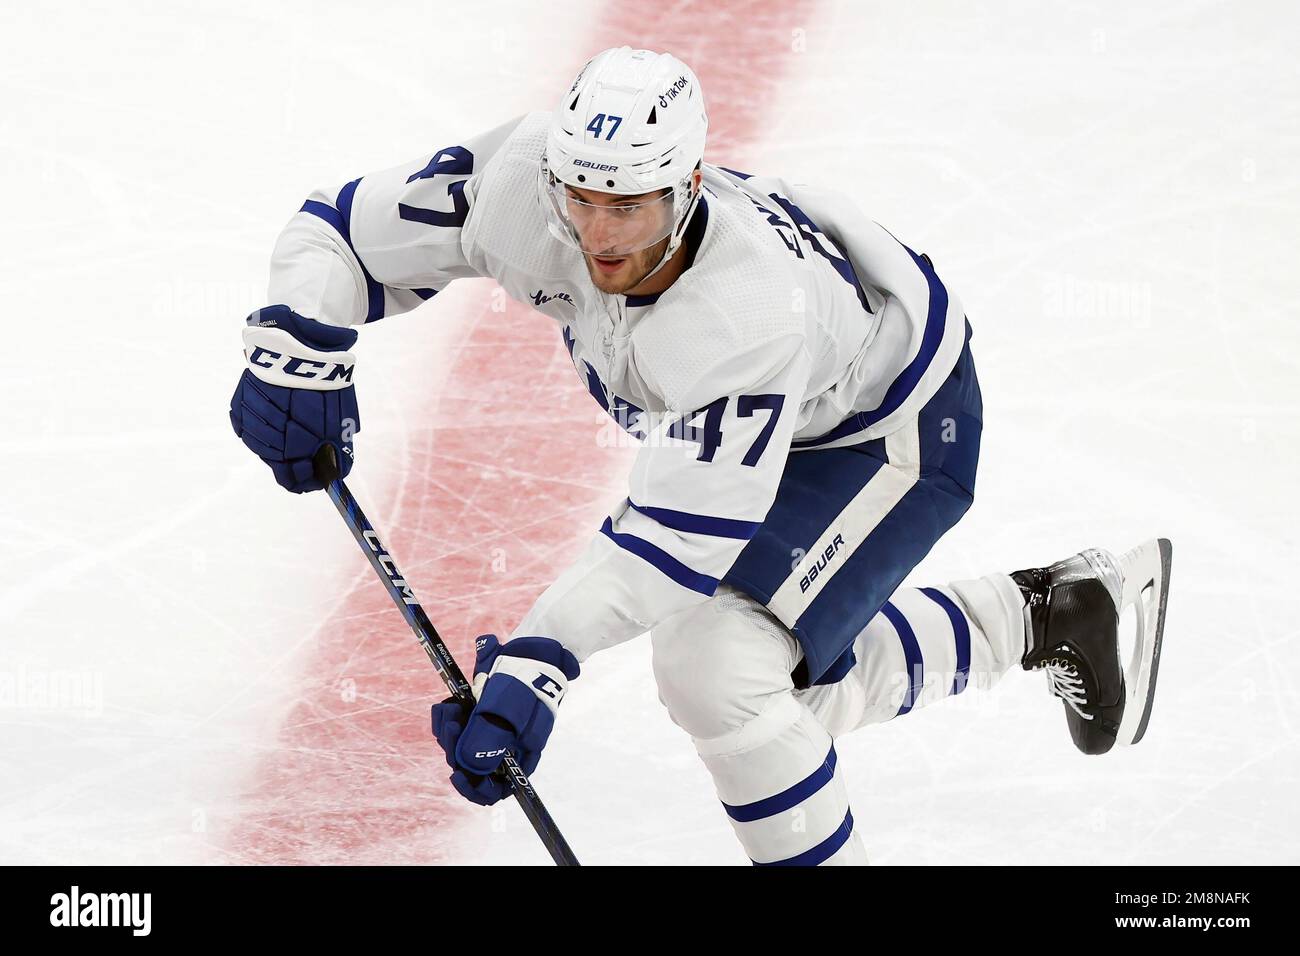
point(810, 415)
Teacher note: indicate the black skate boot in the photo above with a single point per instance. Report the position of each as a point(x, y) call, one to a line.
point(1072, 612)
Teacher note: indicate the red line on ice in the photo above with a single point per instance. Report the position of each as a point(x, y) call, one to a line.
point(506, 484)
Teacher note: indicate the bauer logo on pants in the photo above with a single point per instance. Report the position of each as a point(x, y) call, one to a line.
point(823, 560)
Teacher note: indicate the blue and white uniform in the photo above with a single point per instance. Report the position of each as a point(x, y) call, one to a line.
point(792, 469)
point(771, 339)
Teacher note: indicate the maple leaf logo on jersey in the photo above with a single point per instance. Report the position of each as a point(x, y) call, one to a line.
point(539, 298)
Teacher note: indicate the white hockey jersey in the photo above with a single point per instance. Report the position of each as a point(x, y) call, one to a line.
point(770, 341)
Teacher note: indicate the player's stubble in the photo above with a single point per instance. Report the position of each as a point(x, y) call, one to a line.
point(632, 273)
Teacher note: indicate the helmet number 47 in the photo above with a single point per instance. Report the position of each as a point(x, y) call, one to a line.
point(597, 125)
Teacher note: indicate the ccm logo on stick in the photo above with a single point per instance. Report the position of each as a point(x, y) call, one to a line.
point(390, 569)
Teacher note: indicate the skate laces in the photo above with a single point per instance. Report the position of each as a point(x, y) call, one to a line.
point(1064, 681)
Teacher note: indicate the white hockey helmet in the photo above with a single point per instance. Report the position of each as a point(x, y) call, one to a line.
point(633, 122)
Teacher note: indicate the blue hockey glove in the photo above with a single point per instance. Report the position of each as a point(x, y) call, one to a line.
point(519, 686)
point(296, 395)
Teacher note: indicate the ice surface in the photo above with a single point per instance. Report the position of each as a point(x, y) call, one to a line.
point(198, 667)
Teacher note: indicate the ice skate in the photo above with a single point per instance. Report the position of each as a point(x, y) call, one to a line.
point(1072, 614)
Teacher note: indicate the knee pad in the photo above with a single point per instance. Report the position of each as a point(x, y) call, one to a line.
point(719, 664)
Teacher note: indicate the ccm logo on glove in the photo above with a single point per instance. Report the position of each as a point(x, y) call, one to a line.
point(277, 358)
point(296, 395)
point(518, 687)
point(549, 686)
point(297, 367)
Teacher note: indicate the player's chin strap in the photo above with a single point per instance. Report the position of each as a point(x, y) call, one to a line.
point(675, 242)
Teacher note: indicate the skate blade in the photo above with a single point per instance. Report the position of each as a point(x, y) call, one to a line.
point(1146, 586)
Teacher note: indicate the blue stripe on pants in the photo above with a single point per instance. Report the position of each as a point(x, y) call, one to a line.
point(822, 851)
point(911, 651)
point(960, 634)
point(787, 799)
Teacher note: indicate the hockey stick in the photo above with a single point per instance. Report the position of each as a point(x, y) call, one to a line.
point(326, 467)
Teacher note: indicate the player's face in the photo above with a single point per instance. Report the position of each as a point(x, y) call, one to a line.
point(609, 221)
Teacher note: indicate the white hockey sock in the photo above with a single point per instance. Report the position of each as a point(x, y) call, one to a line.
point(924, 645)
point(780, 784)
